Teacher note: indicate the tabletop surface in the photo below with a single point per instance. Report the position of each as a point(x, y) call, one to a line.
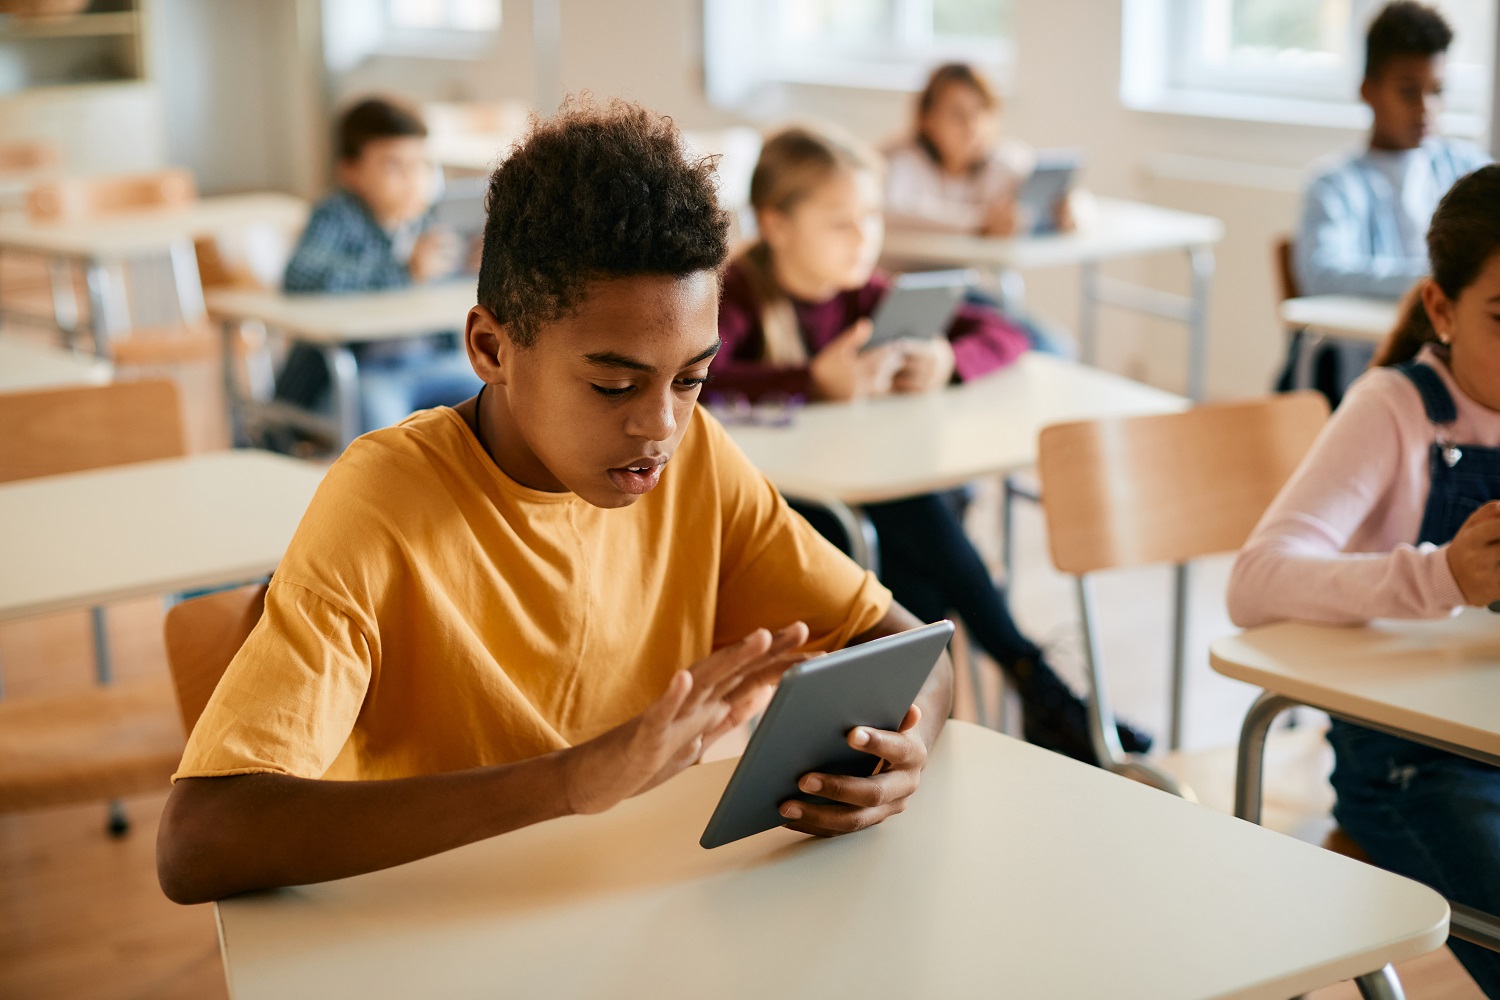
point(25, 365)
point(338, 319)
point(881, 449)
point(86, 538)
point(1439, 679)
point(154, 229)
point(1366, 319)
point(1015, 872)
point(1118, 229)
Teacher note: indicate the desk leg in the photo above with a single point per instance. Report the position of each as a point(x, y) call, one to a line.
point(118, 824)
point(343, 373)
point(1381, 985)
point(64, 300)
point(1088, 312)
point(1201, 260)
point(187, 281)
point(108, 311)
point(1179, 653)
point(1250, 766)
point(234, 402)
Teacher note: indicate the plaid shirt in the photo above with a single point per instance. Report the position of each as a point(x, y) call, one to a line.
point(343, 249)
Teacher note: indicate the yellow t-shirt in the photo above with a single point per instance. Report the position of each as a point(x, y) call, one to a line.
point(432, 614)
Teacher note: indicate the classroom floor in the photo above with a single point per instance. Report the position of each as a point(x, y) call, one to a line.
point(81, 914)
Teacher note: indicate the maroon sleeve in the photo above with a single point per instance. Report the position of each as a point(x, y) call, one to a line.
point(738, 366)
point(983, 341)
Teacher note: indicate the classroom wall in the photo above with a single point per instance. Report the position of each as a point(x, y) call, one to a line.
point(1066, 93)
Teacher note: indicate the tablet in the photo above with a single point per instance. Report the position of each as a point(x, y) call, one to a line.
point(1048, 185)
point(460, 207)
point(806, 726)
point(919, 305)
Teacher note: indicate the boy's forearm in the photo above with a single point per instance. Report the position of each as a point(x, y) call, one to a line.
point(221, 836)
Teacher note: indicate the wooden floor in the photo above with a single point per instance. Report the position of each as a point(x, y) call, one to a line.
point(81, 914)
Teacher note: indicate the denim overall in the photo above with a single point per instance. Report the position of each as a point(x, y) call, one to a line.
point(1420, 812)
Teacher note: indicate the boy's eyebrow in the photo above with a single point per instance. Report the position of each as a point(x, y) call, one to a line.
point(610, 359)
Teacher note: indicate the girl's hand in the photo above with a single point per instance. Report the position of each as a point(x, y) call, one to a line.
point(1062, 214)
point(1000, 218)
point(1474, 556)
point(842, 371)
point(928, 365)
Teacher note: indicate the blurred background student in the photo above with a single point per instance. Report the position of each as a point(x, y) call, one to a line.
point(795, 318)
point(957, 172)
point(1365, 215)
point(376, 232)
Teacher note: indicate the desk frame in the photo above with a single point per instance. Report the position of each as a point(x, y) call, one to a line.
point(1467, 923)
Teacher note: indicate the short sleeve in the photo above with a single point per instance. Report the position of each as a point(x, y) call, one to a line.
point(775, 568)
point(289, 699)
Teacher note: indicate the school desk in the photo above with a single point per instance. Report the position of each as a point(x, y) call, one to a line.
point(842, 455)
point(1014, 872)
point(25, 365)
point(1117, 229)
point(1434, 682)
point(1342, 317)
point(332, 324)
point(101, 245)
point(88, 538)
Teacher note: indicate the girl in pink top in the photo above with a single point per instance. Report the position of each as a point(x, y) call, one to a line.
point(1393, 514)
point(794, 316)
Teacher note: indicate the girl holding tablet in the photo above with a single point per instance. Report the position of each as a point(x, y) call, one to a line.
point(793, 319)
point(1393, 514)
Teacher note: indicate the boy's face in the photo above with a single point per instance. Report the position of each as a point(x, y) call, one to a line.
point(599, 402)
point(1406, 98)
point(395, 177)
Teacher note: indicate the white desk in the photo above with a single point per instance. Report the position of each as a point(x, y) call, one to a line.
point(1117, 229)
point(1341, 317)
point(331, 323)
point(1015, 872)
point(88, 538)
point(1435, 682)
point(840, 454)
point(25, 366)
point(98, 244)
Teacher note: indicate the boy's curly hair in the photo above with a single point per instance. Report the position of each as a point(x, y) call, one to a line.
point(1404, 28)
point(594, 192)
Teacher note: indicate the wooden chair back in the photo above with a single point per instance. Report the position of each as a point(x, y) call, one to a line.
point(48, 432)
point(203, 634)
point(1286, 270)
point(26, 157)
point(1169, 488)
point(74, 198)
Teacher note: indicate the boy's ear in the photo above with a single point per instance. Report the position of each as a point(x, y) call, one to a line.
point(489, 345)
point(1367, 91)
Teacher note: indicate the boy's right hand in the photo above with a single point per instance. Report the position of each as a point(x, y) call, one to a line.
point(842, 371)
point(1001, 217)
point(701, 704)
point(435, 255)
point(1474, 556)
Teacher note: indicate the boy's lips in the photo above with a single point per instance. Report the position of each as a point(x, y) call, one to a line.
point(637, 477)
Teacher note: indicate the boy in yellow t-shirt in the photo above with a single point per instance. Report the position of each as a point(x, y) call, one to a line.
point(551, 597)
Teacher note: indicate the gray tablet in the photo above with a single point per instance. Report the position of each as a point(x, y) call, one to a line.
point(919, 305)
point(806, 726)
point(1048, 185)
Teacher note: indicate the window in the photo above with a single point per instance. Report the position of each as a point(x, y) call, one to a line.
point(1297, 60)
point(354, 30)
point(450, 15)
point(887, 44)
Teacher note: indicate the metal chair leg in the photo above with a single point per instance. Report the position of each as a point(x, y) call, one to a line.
point(1250, 766)
point(1179, 653)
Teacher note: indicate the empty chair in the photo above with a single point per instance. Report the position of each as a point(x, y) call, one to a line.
point(1140, 491)
point(203, 634)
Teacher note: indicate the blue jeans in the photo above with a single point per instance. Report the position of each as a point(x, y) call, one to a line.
point(1429, 815)
point(391, 389)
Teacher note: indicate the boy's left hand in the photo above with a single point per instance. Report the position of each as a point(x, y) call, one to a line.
point(928, 365)
point(863, 802)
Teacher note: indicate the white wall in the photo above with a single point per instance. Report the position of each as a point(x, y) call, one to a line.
point(1066, 93)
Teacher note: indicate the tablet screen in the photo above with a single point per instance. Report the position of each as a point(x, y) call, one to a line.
point(807, 724)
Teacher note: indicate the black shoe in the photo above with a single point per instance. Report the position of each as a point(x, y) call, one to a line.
point(1057, 719)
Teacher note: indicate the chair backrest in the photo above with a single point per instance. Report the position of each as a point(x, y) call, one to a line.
point(73, 198)
point(1170, 488)
point(51, 431)
point(203, 634)
point(24, 157)
point(1286, 271)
